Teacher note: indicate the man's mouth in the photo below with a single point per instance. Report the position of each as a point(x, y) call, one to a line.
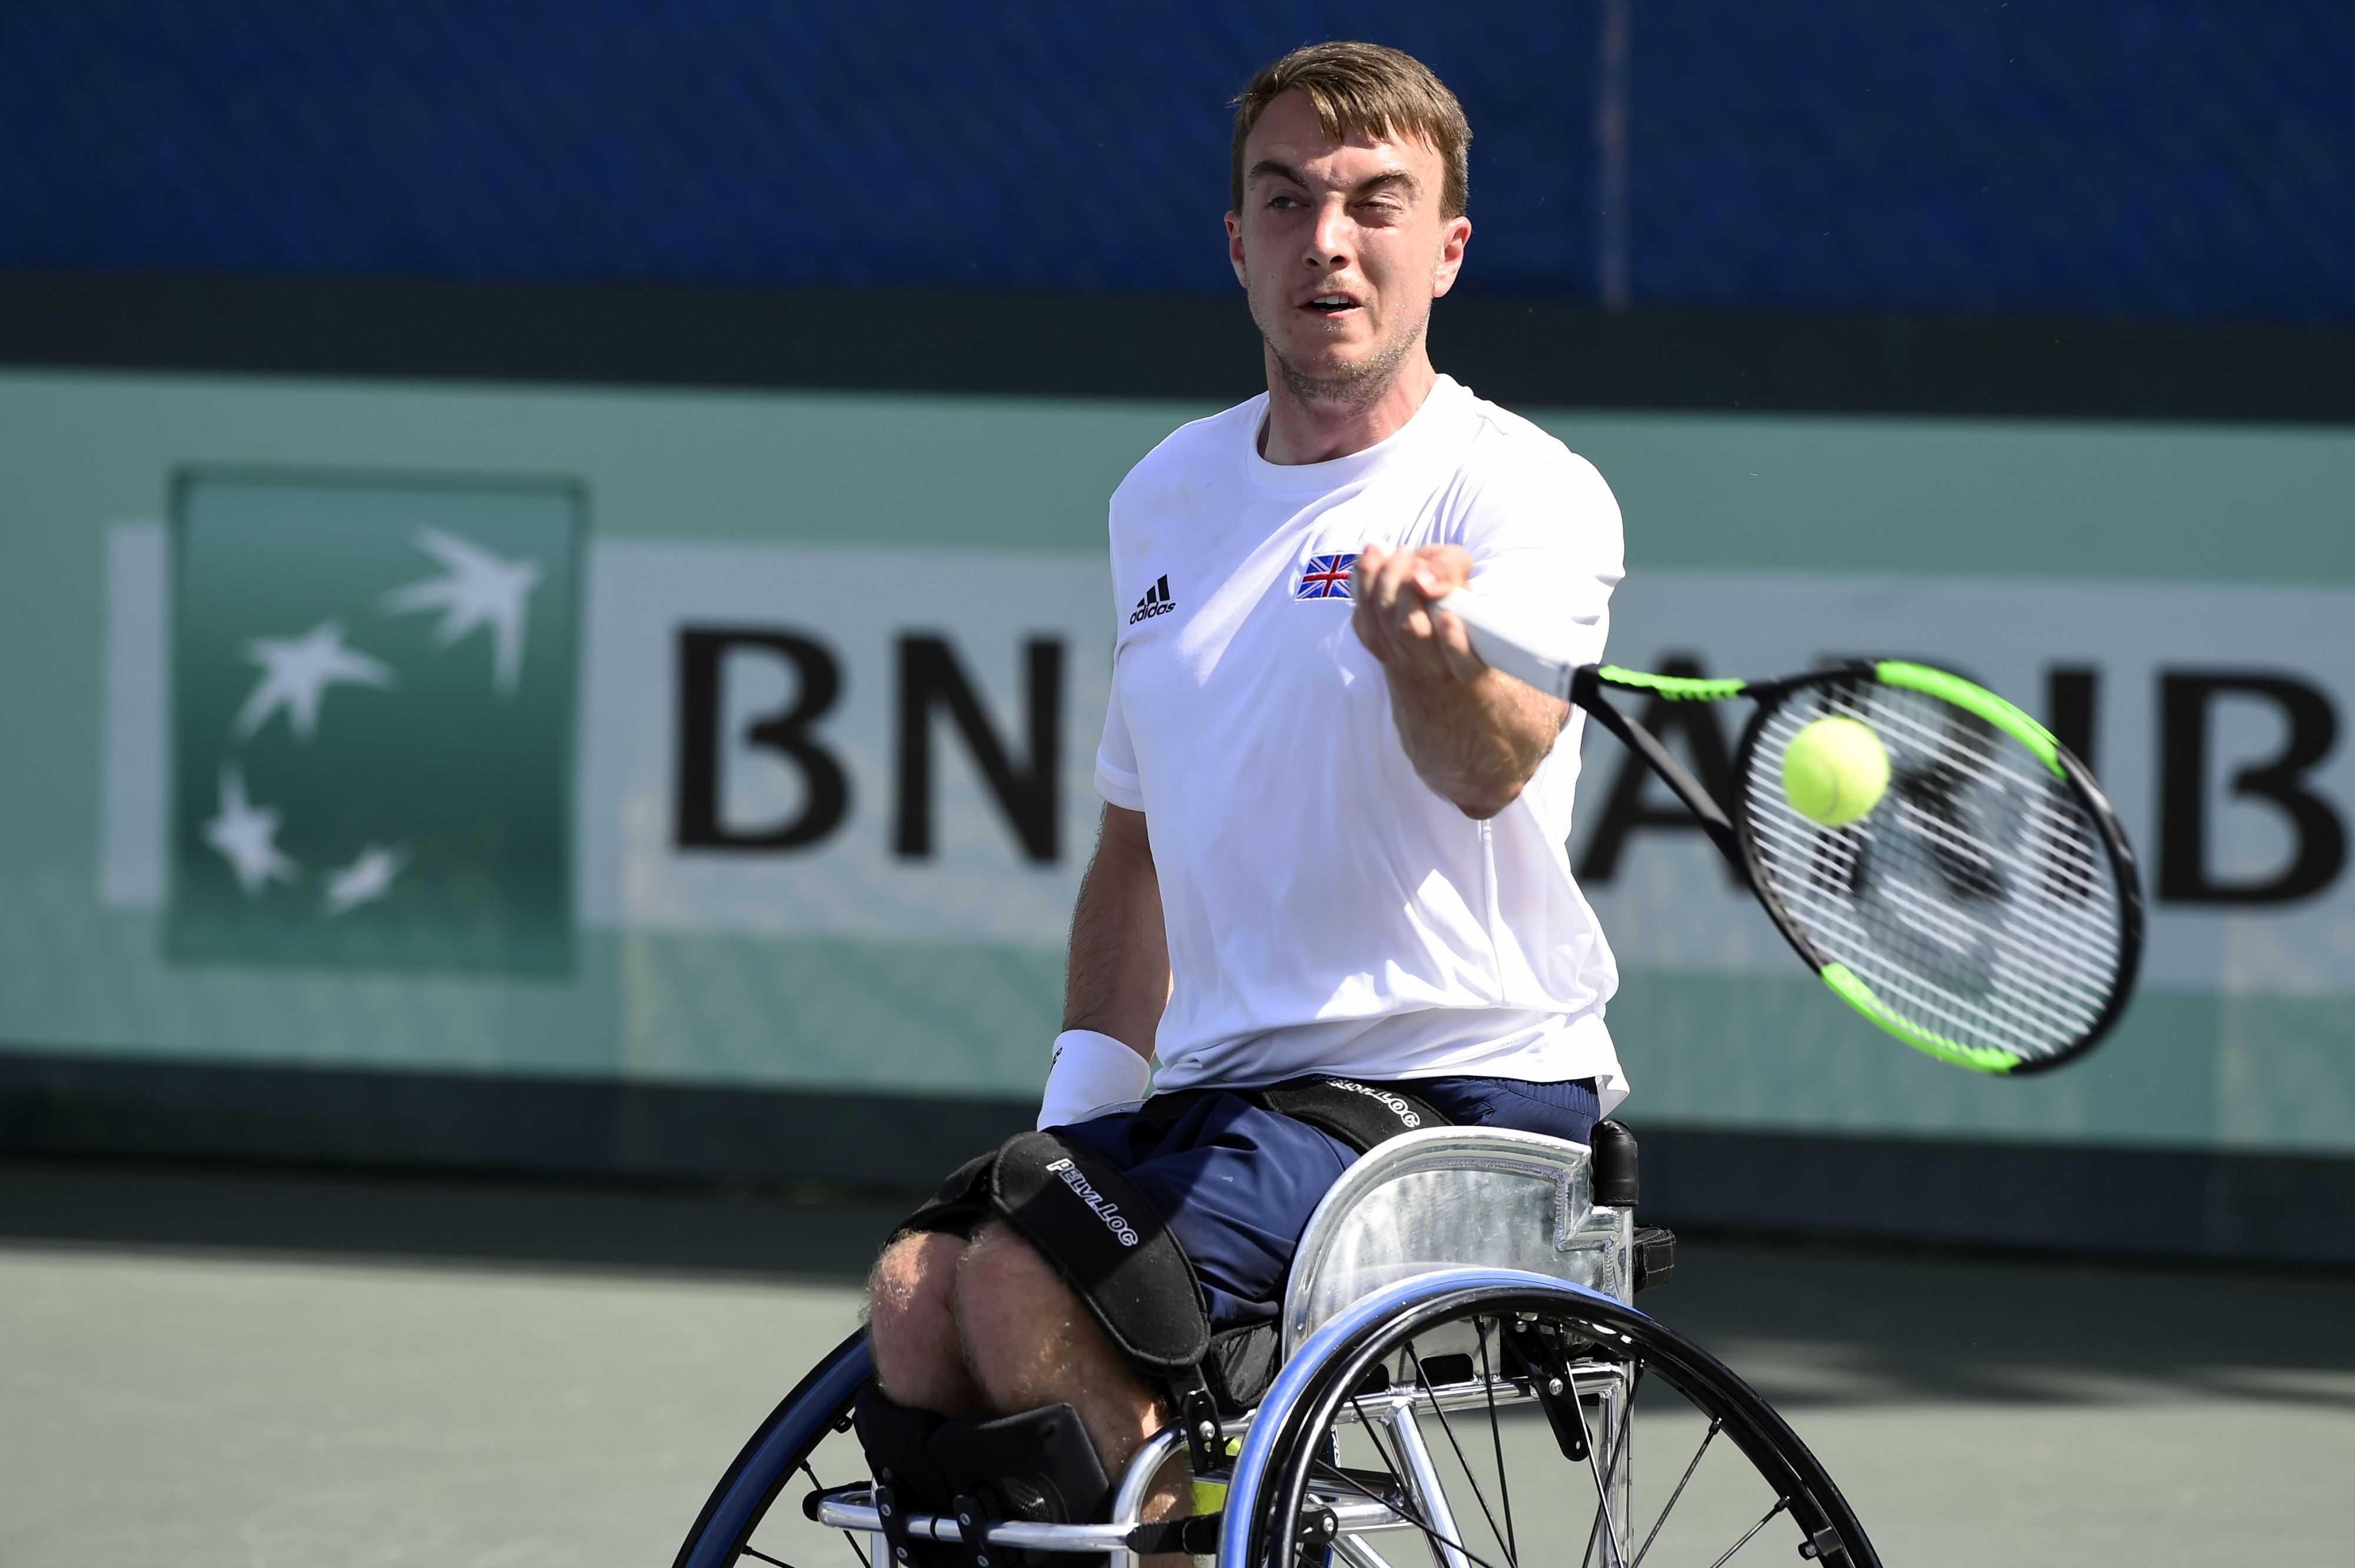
point(1329, 304)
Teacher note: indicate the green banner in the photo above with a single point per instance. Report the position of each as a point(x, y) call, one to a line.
point(373, 687)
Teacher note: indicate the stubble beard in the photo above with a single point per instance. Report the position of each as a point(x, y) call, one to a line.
point(1352, 388)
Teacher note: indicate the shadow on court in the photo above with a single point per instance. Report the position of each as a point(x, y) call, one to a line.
point(1814, 1326)
point(320, 1214)
point(1810, 1325)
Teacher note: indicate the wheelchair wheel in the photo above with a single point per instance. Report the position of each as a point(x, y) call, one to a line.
point(1496, 1425)
point(807, 1438)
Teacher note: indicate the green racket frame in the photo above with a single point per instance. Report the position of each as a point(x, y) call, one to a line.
point(1729, 829)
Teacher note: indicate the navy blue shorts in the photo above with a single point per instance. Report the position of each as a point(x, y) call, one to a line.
point(1237, 1183)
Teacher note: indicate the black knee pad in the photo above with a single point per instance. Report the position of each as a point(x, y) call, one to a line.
point(1038, 1466)
point(1109, 1244)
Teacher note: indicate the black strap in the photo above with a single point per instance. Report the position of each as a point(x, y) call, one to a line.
point(893, 1513)
point(1115, 1251)
point(1198, 1412)
point(1196, 1533)
point(1109, 1243)
point(974, 1520)
point(1359, 1113)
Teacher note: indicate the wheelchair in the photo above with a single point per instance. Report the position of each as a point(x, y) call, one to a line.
point(1462, 1378)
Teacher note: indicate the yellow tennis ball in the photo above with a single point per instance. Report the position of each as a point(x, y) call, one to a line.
point(1834, 772)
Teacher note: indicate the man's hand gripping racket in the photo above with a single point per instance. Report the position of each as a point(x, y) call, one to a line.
point(1930, 851)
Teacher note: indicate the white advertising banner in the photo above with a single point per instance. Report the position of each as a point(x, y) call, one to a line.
point(784, 740)
point(820, 792)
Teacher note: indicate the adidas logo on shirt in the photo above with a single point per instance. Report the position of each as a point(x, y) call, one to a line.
point(1156, 601)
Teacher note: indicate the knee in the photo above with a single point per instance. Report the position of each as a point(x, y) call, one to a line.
point(913, 1287)
point(1031, 1341)
point(1002, 1271)
point(1011, 1305)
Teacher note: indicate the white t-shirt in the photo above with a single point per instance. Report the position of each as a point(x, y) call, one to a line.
point(1325, 910)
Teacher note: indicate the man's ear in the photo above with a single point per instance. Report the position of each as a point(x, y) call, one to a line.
point(1455, 235)
point(1235, 248)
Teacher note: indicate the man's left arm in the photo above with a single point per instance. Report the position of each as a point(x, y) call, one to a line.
point(1476, 735)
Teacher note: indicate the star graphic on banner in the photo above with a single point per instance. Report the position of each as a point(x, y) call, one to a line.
point(246, 835)
point(481, 589)
point(366, 879)
point(295, 675)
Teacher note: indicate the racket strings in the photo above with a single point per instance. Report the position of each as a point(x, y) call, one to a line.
point(1911, 961)
point(1920, 914)
point(2023, 1022)
point(1976, 900)
point(1921, 911)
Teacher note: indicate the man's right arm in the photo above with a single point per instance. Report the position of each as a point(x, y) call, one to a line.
point(1118, 980)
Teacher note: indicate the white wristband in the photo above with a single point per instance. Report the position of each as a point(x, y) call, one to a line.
point(1092, 1074)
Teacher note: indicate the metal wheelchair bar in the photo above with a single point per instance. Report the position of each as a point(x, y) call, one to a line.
point(1423, 1480)
point(1474, 1395)
point(1305, 1364)
point(854, 1510)
point(1128, 1503)
point(1354, 1549)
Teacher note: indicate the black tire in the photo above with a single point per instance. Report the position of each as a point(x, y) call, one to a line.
point(803, 1420)
point(1808, 1507)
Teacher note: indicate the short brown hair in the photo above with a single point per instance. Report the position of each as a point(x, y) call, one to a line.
point(1366, 89)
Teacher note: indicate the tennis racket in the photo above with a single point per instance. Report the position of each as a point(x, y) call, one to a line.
point(1984, 911)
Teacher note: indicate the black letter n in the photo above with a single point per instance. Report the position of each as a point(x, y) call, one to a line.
point(930, 675)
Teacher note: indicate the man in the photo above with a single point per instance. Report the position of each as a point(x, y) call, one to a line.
point(1333, 838)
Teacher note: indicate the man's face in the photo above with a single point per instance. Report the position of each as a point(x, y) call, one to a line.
point(1341, 248)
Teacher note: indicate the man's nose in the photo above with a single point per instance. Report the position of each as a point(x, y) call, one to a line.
point(1329, 238)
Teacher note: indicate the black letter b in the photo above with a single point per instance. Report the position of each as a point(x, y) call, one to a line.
point(2185, 697)
point(819, 681)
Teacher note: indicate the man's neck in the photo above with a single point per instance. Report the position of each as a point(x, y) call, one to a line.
point(1309, 428)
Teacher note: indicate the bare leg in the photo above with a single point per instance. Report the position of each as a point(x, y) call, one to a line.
point(1030, 1341)
point(912, 1324)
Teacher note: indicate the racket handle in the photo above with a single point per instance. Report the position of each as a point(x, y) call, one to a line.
point(1511, 640)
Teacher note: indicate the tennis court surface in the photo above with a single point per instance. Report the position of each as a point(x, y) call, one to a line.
point(221, 1368)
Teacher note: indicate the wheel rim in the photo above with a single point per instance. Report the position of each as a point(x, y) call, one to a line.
point(802, 1422)
point(1473, 1464)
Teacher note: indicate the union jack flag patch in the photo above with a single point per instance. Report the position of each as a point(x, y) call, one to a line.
point(1327, 577)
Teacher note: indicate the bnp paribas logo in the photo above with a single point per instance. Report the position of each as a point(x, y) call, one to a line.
point(372, 721)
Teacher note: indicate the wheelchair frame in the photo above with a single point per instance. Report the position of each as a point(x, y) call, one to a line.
point(1415, 1230)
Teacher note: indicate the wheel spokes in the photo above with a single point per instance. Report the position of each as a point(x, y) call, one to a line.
point(1443, 1543)
point(1779, 1504)
point(1618, 1540)
point(855, 1549)
point(1420, 1502)
point(1715, 1425)
point(1496, 1437)
point(1511, 1557)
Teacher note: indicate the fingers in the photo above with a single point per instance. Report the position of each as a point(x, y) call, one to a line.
point(1380, 580)
point(1440, 570)
point(1455, 647)
point(1393, 591)
point(1389, 615)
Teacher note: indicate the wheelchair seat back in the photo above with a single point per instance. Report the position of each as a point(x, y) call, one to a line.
point(1447, 1197)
